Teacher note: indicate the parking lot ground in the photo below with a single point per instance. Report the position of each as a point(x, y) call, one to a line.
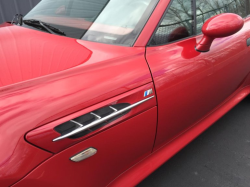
point(220, 157)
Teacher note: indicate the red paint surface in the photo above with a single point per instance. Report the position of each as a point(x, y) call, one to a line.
point(144, 168)
point(193, 90)
point(21, 160)
point(117, 149)
point(43, 136)
point(27, 54)
point(28, 104)
point(223, 25)
point(5, 24)
point(219, 26)
point(190, 84)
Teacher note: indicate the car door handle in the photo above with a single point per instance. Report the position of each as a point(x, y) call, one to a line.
point(100, 120)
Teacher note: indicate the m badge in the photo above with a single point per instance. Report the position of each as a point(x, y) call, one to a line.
point(148, 92)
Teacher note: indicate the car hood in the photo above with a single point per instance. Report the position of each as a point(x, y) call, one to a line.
point(27, 54)
point(45, 77)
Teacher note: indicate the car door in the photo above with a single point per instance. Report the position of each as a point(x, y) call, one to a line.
point(229, 55)
point(190, 84)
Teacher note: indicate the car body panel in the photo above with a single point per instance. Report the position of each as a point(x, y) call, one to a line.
point(43, 136)
point(191, 84)
point(21, 160)
point(233, 64)
point(144, 168)
point(37, 101)
point(193, 90)
point(27, 54)
point(118, 148)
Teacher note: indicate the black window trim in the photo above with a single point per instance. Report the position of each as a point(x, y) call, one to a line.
point(194, 23)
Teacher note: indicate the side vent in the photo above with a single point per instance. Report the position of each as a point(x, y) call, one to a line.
point(86, 119)
point(90, 122)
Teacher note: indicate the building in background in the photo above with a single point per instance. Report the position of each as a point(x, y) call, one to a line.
point(8, 8)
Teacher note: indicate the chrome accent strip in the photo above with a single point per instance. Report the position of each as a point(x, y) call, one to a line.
point(81, 125)
point(99, 121)
point(84, 155)
point(113, 108)
point(99, 117)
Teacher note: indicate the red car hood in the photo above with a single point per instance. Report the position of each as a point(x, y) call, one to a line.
point(27, 54)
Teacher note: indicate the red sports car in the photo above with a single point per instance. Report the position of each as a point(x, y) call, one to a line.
point(102, 92)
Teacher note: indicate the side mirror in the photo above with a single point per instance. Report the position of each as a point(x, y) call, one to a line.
point(219, 26)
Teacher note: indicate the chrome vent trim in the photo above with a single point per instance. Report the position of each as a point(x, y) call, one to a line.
point(79, 124)
point(100, 120)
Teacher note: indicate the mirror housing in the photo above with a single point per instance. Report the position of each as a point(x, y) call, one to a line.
point(219, 26)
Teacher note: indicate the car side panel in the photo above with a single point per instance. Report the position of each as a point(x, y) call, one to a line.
point(183, 81)
point(144, 168)
point(190, 85)
point(22, 160)
point(42, 137)
point(118, 149)
point(28, 105)
point(231, 60)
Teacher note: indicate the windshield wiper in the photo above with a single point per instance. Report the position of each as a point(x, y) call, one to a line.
point(18, 18)
point(46, 26)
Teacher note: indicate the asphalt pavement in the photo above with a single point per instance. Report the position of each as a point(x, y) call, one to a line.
point(220, 157)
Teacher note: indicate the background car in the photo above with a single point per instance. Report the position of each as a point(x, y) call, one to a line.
point(98, 93)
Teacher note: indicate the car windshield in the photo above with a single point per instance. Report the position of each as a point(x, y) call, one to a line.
point(106, 21)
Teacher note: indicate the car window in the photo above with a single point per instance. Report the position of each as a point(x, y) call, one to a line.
point(206, 9)
point(176, 24)
point(105, 21)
